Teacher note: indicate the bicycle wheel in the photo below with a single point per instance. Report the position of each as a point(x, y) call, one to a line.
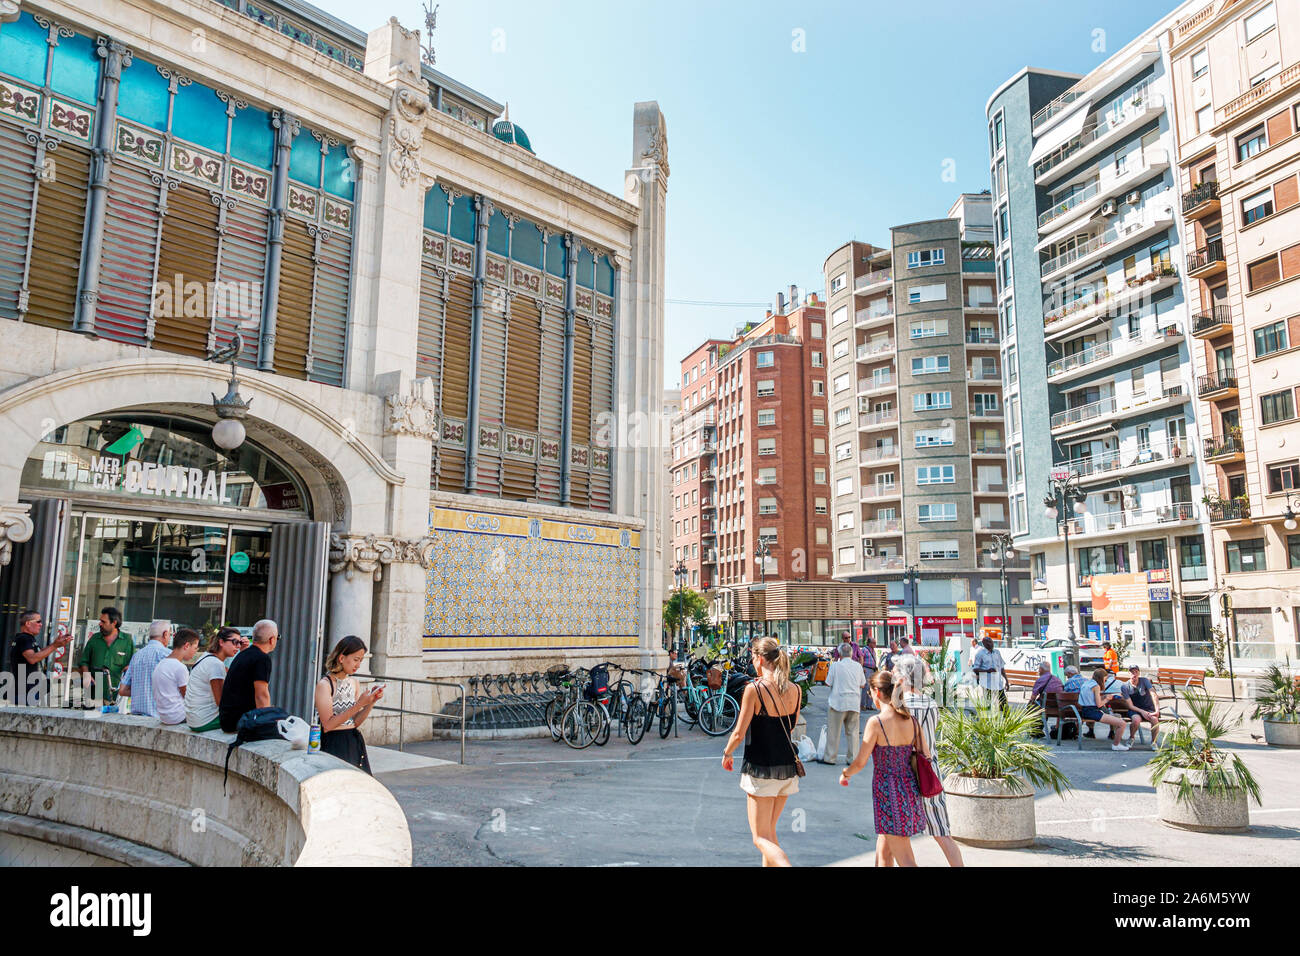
point(634, 721)
point(718, 715)
point(690, 709)
point(667, 712)
point(554, 711)
point(602, 728)
point(578, 725)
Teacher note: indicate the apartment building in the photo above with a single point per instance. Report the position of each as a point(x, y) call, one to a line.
point(750, 453)
point(917, 420)
point(1236, 78)
point(672, 406)
point(1098, 364)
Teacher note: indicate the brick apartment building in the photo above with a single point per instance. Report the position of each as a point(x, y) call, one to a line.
point(750, 460)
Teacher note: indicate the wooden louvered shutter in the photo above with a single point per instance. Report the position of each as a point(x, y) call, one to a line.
point(293, 310)
point(550, 405)
point(428, 345)
point(602, 405)
point(56, 246)
point(491, 391)
point(130, 243)
point(579, 483)
point(455, 382)
point(523, 369)
point(186, 255)
point(17, 188)
point(243, 263)
point(329, 321)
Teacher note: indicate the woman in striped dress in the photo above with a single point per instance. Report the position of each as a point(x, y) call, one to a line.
point(909, 672)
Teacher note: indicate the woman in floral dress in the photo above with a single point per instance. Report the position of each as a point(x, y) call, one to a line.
point(895, 795)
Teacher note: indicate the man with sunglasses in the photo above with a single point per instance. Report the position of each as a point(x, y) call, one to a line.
point(25, 655)
point(208, 679)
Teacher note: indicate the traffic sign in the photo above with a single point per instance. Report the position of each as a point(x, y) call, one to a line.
point(966, 610)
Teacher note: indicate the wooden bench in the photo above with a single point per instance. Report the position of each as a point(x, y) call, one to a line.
point(1021, 680)
point(1064, 707)
point(1179, 678)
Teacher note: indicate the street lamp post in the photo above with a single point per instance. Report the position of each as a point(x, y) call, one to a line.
point(1004, 550)
point(680, 573)
point(1063, 503)
point(761, 553)
point(912, 576)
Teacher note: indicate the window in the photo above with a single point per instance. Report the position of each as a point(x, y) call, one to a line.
point(838, 282)
point(1263, 272)
point(766, 387)
point(939, 550)
point(1284, 477)
point(930, 437)
point(1260, 22)
point(840, 349)
point(819, 387)
point(925, 257)
point(818, 360)
point(1038, 568)
point(1277, 407)
point(1257, 206)
point(1204, 118)
point(814, 330)
point(1191, 559)
point(841, 383)
point(1293, 551)
point(923, 401)
point(1200, 63)
point(927, 293)
point(819, 416)
point(1271, 338)
point(844, 451)
point(935, 475)
point(843, 486)
point(823, 536)
point(997, 132)
point(819, 476)
point(819, 446)
point(767, 416)
point(767, 506)
point(1153, 555)
point(947, 511)
point(840, 316)
point(767, 446)
point(819, 504)
point(843, 416)
point(847, 555)
point(767, 476)
point(844, 521)
point(928, 328)
point(1245, 555)
point(766, 359)
point(1248, 144)
point(929, 365)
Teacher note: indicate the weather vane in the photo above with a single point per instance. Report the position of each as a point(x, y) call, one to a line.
point(430, 24)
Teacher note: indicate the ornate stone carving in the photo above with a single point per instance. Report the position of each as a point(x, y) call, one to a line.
point(15, 527)
point(411, 415)
point(409, 104)
point(9, 11)
point(403, 152)
point(328, 473)
point(371, 553)
point(116, 55)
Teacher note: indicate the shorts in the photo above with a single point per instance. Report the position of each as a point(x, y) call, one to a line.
point(1090, 713)
point(764, 787)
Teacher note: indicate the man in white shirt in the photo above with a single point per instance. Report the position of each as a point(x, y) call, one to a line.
point(991, 672)
point(171, 676)
point(846, 678)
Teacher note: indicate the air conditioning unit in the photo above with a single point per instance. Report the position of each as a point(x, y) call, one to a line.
point(868, 552)
point(868, 545)
point(1111, 496)
point(1108, 208)
point(1130, 491)
point(1134, 197)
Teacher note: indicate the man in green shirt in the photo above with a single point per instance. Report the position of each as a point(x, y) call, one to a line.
point(108, 650)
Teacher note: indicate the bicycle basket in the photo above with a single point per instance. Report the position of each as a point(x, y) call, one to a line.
point(676, 674)
point(556, 674)
point(714, 678)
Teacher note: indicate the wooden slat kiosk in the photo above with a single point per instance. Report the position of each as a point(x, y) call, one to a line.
point(806, 612)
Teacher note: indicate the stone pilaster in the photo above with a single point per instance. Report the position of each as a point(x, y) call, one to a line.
point(15, 528)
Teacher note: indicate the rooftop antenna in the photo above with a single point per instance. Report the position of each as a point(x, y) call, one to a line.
point(430, 24)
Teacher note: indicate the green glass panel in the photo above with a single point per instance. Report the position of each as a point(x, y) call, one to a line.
point(198, 117)
point(555, 256)
point(75, 72)
point(143, 95)
point(526, 246)
point(586, 270)
point(498, 240)
point(23, 50)
point(435, 210)
point(462, 219)
point(252, 140)
point(304, 159)
point(340, 173)
point(604, 276)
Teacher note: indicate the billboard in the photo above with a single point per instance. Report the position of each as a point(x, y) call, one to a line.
point(1120, 597)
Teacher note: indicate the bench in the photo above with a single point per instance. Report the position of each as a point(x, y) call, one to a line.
point(1176, 678)
point(1064, 707)
point(1021, 680)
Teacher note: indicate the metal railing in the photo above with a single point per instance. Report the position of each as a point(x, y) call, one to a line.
point(978, 337)
point(401, 709)
point(1209, 254)
point(871, 419)
point(1116, 459)
point(1076, 199)
point(1220, 446)
point(983, 375)
point(871, 455)
point(1084, 413)
point(868, 315)
point(988, 448)
point(1218, 316)
point(881, 491)
point(881, 525)
point(868, 349)
point(1233, 509)
point(871, 278)
point(876, 382)
point(1215, 382)
point(1203, 193)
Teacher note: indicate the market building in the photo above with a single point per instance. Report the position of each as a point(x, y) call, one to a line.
point(444, 340)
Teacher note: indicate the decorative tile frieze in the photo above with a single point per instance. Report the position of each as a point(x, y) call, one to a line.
point(550, 450)
point(462, 257)
point(583, 300)
point(338, 214)
point(526, 280)
point(139, 144)
point(302, 202)
point(495, 269)
point(453, 432)
point(604, 307)
point(435, 247)
point(489, 437)
point(196, 164)
point(20, 102)
point(579, 456)
point(521, 445)
point(249, 183)
point(74, 121)
point(554, 289)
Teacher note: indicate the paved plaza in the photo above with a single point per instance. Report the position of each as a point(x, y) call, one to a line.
point(667, 802)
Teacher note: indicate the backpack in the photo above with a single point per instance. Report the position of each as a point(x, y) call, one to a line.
point(598, 686)
point(261, 723)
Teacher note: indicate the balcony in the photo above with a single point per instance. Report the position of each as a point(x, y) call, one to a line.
point(1225, 510)
point(1222, 449)
point(864, 318)
point(1207, 260)
point(1201, 201)
point(1124, 234)
point(873, 492)
point(1060, 319)
point(1175, 513)
point(875, 456)
point(708, 475)
point(1216, 385)
point(870, 350)
point(876, 526)
point(888, 563)
point(707, 532)
point(988, 448)
point(1093, 137)
point(1260, 92)
point(885, 419)
point(991, 524)
point(1110, 407)
point(869, 280)
point(1145, 458)
point(991, 488)
point(708, 556)
point(1217, 321)
point(1111, 352)
point(978, 411)
point(982, 337)
point(983, 375)
point(1100, 195)
point(876, 384)
point(706, 448)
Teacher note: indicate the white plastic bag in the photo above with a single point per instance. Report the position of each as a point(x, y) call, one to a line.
point(807, 750)
point(821, 743)
point(296, 731)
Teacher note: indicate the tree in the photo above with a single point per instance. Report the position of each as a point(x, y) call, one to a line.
point(685, 606)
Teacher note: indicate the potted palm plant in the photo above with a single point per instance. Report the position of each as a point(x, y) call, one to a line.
point(1277, 703)
point(992, 768)
point(1200, 786)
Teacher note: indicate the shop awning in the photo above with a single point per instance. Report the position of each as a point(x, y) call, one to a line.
point(1065, 130)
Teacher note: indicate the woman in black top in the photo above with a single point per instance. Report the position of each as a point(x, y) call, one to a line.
point(768, 712)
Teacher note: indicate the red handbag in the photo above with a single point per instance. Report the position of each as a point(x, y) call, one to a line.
point(926, 778)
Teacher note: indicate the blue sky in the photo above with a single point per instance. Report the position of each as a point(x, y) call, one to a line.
point(778, 157)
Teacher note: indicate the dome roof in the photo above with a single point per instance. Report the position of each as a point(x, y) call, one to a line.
point(509, 132)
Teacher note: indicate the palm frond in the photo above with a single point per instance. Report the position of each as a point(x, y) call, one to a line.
point(994, 743)
point(1189, 752)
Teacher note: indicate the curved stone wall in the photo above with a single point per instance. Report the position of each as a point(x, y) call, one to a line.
point(128, 789)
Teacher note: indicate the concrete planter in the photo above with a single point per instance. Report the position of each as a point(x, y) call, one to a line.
point(1222, 687)
point(989, 812)
point(1202, 811)
point(1282, 733)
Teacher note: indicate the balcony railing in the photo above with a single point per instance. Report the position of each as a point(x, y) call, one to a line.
point(1085, 413)
point(1091, 133)
point(708, 476)
point(991, 488)
point(870, 456)
point(881, 525)
point(983, 375)
point(888, 563)
point(1223, 446)
point(1215, 382)
point(868, 349)
point(1111, 348)
point(1135, 517)
point(1061, 208)
point(1086, 248)
point(871, 278)
point(880, 491)
point(872, 419)
point(875, 383)
point(1117, 459)
point(991, 524)
point(1058, 104)
point(874, 314)
point(1208, 255)
point(979, 411)
point(988, 448)
point(1205, 192)
point(1228, 509)
point(981, 337)
point(1260, 91)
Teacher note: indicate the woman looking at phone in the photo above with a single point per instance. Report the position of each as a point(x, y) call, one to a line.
point(339, 705)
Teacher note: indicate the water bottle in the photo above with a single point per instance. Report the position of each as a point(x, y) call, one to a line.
point(313, 742)
point(124, 705)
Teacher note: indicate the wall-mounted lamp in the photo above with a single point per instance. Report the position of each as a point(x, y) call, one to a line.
point(229, 432)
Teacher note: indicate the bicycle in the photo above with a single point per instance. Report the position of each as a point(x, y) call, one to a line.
point(628, 707)
point(662, 706)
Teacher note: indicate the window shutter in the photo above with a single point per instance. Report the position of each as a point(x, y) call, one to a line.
point(491, 383)
point(293, 310)
point(187, 254)
point(580, 442)
point(1279, 126)
point(243, 264)
point(130, 246)
point(17, 190)
point(523, 378)
point(1264, 272)
point(1285, 193)
point(56, 245)
point(602, 425)
point(454, 392)
point(550, 402)
point(1291, 261)
point(329, 320)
